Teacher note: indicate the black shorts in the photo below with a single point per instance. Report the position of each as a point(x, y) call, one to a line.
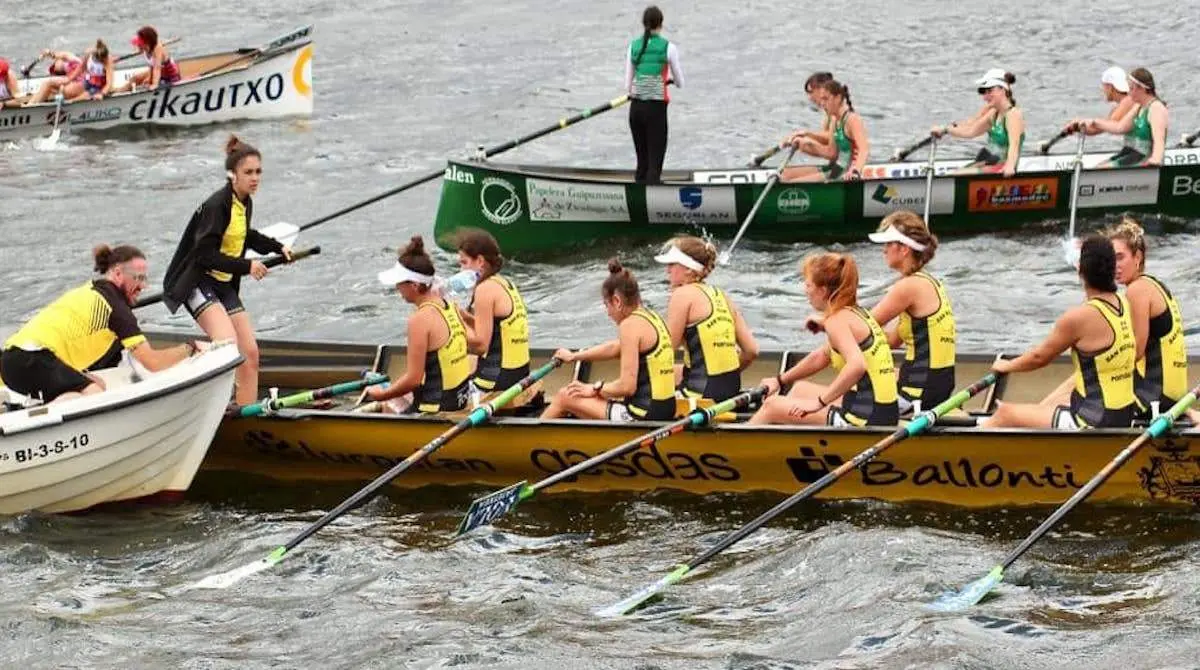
point(1127, 157)
point(39, 374)
point(209, 292)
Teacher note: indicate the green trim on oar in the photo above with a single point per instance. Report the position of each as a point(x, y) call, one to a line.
point(270, 261)
point(487, 509)
point(269, 405)
point(976, 590)
point(919, 424)
point(477, 416)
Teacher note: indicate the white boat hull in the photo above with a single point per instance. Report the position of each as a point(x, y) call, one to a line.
point(131, 441)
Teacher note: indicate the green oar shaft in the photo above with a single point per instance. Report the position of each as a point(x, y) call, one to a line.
point(500, 148)
point(305, 397)
point(270, 261)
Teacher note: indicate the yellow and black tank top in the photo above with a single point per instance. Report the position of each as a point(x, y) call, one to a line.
point(1162, 375)
point(654, 397)
point(927, 372)
point(1103, 395)
point(710, 357)
point(81, 326)
point(507, 359)
point(872, 399)
point(447, 369)
point(233, 242)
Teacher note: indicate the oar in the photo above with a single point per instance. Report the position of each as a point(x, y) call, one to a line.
point(48, 143)
point(1187, 332)
point(929, 179)
point(477, 416)
point(977, 589)
point(29, 68)
point(919, 424)
point(500, 148)
point(723, 258)
point(165, 43)
point(285, 233)
point(270, 262)
point(1070, 252)
point(269, 405)
point(1044, 147)
point(901, 154)
point(1187, 140)
point(758, 160)
point(496, 504)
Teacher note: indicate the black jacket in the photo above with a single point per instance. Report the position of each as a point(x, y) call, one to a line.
point(200, 248)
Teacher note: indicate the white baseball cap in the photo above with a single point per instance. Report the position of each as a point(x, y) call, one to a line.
point(993, 77)
point(1115, 76)
point(890, 234)
point(398, 274)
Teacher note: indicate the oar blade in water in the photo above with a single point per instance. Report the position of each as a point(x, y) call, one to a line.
point(970, 594)
point(225, 580)
point(49, 143)
point(635, 600)
point(491, 507)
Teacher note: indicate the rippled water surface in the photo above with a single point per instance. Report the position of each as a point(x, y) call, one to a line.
point(401, 86)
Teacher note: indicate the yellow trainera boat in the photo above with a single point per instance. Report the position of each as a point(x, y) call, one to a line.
point(955, 463)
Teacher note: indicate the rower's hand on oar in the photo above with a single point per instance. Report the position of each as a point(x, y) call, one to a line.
point(937, 131)
point(258, 270)
point(565, 355)
point(1003, 366)
point(287, 253)
point(771, 384)
point(852, 175)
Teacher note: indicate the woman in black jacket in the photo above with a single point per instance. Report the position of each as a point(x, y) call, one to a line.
point(204, 275)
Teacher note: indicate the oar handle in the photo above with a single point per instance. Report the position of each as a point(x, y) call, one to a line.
point(29, 68)
point(270, 405)
point(1044, 147)
point(270, 261)
point(901, 154)
point(759, 159)
point(165, 43)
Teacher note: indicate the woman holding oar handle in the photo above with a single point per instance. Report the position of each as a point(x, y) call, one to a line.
point(1003, 122)
point(645, 390)
point(717, 343)
point(1144, 124)
point(812, 142)
point(864, 391)
point(848, 147)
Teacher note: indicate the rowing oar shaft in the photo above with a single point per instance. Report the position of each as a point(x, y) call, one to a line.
point(1188, 140)
point(274, 404)
point(976, 590)
point(270, 262)
point(771, 181)
point(901, 154)
point(919, 424)
point(500, 148)
point(761, 158)
point(1044, 147)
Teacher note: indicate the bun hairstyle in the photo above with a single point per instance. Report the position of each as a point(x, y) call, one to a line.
point(913, 226)
point(837, 274)
point(105, 256)
point(1129, 231)
point(475, 243)
point(1010, 79)
point(652, 19)
point(621, 282)
point(237, 151)
point(414, 258)
point(816, 79)
point(1098, 263)
point(701, 251)
point(837, 88)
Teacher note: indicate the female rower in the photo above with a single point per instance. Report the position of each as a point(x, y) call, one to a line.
point(848, 147)
point(651, 64)
point(49, 356)
point(437, 371)
point(864, 391)
point(1001, 119)
point(205, 274)
point(9, 87)
point(498, 325)
point(91, 79)
point(1099, 334)
point(1144, 124)
point(717, 343)
point(1161, 377)
point(61, 62)
point(926, 325)
point(818, 139)
point(645, 389)
point(161, 69)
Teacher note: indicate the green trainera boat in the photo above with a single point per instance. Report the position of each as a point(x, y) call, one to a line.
point(538, 209)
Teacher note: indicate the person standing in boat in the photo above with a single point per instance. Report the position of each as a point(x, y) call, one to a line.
point(437, 370)
point(162, 70)
point(1099, 334)
point(864, 390)
point(497, 321)
point(48, 358)
point(645, 389)
point(205, 273)
point(1144, 125)
point(848, 147)
point(717, 343)
point(9, 86)
point(818, 140)
point(651, 64)
point(1003, 122)
point(90, 80)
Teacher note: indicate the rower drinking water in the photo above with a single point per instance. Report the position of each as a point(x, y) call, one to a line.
point(651, 64)
point(1002, 121)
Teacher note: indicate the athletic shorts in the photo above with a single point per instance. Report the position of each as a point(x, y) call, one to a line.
point(209, 292)
point(619, 411)
point(1127, 157)
point(90, 88)
point(39, 374)
point(1064, 419)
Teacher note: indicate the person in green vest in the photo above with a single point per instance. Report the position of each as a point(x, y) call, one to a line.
point(1144, 124)
point(848, 146)
point(1003, 122)
point(651, 64)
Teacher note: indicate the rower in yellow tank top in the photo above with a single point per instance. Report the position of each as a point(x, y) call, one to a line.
point(1103, 394)
point(233, 241)
point(872, 399)
point(447, 369)
point(654, 397)
point(507, 359)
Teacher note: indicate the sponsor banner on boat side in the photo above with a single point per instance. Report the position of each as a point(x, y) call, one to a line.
point(881, 198)
point(568, 201)
point(499, 201)
point(1008, 195)
point(654, 463)
point(691, 204)
point(167, 103)
point(15, 119)
point(732, 176)
point(1181, 157)
point(813, 202)
point(910, 170)
point(1118, 188)
point(1185, 185)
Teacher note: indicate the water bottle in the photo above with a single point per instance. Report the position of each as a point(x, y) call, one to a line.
point(461, 284)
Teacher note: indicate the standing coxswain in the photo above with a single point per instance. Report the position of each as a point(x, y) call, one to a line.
point(651, 64)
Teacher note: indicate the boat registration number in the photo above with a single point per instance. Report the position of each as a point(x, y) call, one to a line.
point(46, 449)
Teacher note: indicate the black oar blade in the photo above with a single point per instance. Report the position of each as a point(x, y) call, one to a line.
point(491, 507)
point(970, 594)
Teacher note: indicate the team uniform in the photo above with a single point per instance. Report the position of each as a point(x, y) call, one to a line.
point(653, 398)
point(872, 401)
point(446, 385)
point(711, 367)
point(1162, 375)
point(1103, 396)
point(995, 151)
point(647, 73)
point(507, 359)
point(927, 373)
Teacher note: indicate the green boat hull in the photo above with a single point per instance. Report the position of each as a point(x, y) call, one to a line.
point(544, 209)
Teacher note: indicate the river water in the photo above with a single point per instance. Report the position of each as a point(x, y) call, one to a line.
point(402, 85)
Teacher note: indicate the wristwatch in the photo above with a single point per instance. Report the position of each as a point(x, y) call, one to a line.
point(598, 385)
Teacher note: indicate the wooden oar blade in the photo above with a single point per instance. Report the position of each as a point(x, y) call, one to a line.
point(225, 580)
point(970, 594)
point(487, 509)
point(642, 596)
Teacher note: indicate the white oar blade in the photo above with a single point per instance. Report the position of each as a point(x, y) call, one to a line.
point(225, 580)
point(634, 601)
point(971, 593)
point(49, 143)
point(1070, 249)
point(490, 507)
point(723, 258)
point(286, 233)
